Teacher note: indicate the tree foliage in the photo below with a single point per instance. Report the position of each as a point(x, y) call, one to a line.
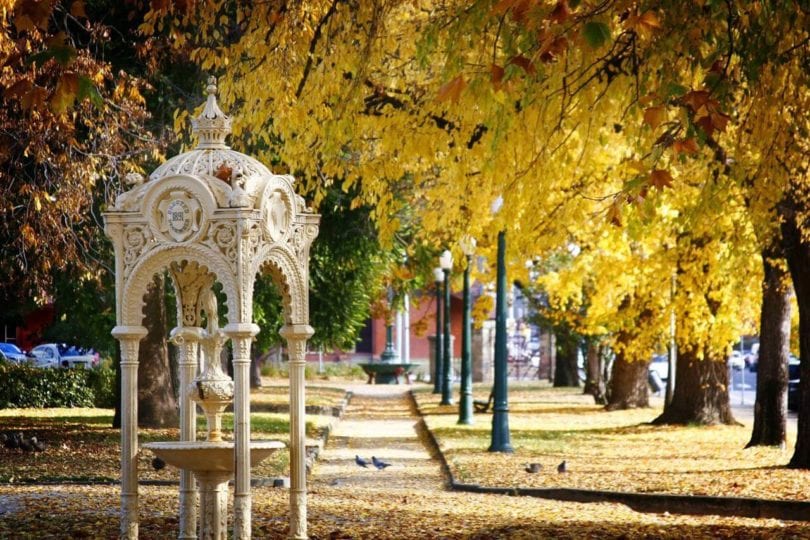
point(68, 124)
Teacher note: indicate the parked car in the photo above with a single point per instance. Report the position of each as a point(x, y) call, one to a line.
point(12, 353)
point(660, 366)
point(752, 357)
point(51, 355)
point(793, 384)
point(736, 360)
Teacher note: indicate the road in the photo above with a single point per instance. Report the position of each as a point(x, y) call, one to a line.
point(742, 395)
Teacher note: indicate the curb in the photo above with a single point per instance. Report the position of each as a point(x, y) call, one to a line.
point(641, 502)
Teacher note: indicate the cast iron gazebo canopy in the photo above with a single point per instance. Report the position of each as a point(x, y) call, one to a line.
point(212, 215)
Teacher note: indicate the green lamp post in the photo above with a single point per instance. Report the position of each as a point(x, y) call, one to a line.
point(500, 409)
point(465, 403)
point(446, 263)
point(438, 276)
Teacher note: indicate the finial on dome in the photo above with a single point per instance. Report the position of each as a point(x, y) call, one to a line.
point(212, 126)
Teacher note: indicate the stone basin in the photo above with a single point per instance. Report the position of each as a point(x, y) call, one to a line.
point(386, 373)
point(208, 456)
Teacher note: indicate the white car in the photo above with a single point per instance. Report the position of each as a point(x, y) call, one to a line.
point(53, 355)
point(736, 360)
point(660, 366)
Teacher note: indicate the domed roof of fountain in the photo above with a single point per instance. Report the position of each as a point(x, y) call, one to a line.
point(212, 128)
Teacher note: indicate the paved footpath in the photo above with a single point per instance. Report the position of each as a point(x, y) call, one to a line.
point(379, 421)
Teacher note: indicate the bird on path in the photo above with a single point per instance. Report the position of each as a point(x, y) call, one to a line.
point(158, 463)
point(380, 464)
point(562, 467)
point(533, 467)
point(12, 441)
point(361, 462)
point(38, 445)
point(26, 445)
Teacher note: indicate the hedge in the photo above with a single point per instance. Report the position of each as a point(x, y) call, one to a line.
point(23, 386)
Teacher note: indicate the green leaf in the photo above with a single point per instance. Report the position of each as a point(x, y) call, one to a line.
point(89, 91)
point(63, 54)
point(596, 33)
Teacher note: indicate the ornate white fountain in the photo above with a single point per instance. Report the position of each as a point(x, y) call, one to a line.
point(211, 461)
point(211, 215)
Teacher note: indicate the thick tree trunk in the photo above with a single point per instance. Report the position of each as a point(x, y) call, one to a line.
point(565, 372)
point(770, 409)
point(157, 406)
point(594, 379)
point(629, 388)
point(797, 253)
point(701, 392)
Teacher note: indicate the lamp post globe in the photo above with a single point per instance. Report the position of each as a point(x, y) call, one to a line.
point(438, 277)
point(446, 264)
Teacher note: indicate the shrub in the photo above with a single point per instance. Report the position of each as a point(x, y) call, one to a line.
point(102, 382)
point(25, 386)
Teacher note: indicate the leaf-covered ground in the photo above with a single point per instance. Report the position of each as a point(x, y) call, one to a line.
point(405, 501)
point(614, 451)
point(82, 446)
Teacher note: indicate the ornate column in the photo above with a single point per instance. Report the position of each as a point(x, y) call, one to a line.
point(296, 336)
point(187, 339)
point(129, 338)
point(241, 335)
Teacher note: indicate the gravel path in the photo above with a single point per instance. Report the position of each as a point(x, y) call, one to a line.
point(380, 421)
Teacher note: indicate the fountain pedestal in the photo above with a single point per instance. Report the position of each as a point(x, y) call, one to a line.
point(212, 463)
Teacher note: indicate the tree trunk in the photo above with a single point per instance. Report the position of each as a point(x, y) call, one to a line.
point(770, 409)
point(594, 379)
point(797, 253)
point(629, 388)
point(701, 392)
point(565, 372)
point(255, 367)
point(157, 406)
point(116, 423)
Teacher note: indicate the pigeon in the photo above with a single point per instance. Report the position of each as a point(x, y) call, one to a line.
point(380, 464)
point(158, 463)
point(361, 462)
point(12, 441)
point(533, 467)
point(562, 467)
point(26, 445)
point(38, 445)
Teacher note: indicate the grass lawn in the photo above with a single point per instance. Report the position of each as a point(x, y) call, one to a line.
point(615, 451)
point(82, 446)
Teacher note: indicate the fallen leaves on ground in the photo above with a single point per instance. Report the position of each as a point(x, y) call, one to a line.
point(81, 445)
point(610, 450)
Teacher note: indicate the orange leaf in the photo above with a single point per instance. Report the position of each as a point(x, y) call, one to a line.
point(660, 179)
point(696, 99)
point(77, 9)
point(655, 116)
point(561, 12)
point(524, 63)
point(614, 214)
point(497, 75)
point(452, 90)
point(685, 146)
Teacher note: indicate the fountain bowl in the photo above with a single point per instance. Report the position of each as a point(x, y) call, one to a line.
point(209, 456)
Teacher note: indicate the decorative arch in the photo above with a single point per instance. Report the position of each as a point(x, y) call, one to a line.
point(160, 259)
point(284, 269)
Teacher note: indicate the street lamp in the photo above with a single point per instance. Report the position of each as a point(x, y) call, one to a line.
point(438, 276)
point(465, 404)
point(500, 410)
point(446, 263)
